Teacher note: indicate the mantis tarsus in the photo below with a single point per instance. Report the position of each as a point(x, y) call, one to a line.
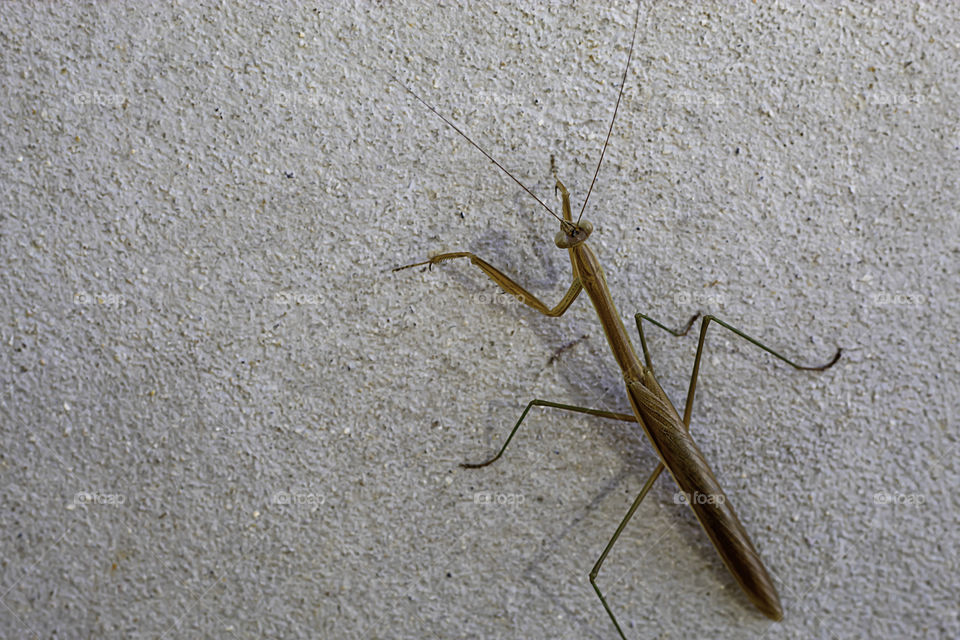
point(652, 410)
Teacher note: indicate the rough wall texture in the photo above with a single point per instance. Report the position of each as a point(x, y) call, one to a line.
point(223, 416)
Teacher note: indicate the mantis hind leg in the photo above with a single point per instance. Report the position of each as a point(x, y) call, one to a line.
point(616, 534)
point(686, 421)
point(626, 417)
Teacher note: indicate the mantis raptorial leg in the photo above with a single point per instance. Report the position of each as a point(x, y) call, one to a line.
point(652, 410)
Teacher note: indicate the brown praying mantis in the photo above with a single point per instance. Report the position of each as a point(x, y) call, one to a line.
point(652, 410)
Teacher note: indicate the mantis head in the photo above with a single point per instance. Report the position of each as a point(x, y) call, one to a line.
point(572, 233)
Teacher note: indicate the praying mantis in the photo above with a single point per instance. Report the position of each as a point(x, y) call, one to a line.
point(668, 433)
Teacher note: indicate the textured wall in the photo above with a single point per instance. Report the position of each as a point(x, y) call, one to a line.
point(223, 416)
